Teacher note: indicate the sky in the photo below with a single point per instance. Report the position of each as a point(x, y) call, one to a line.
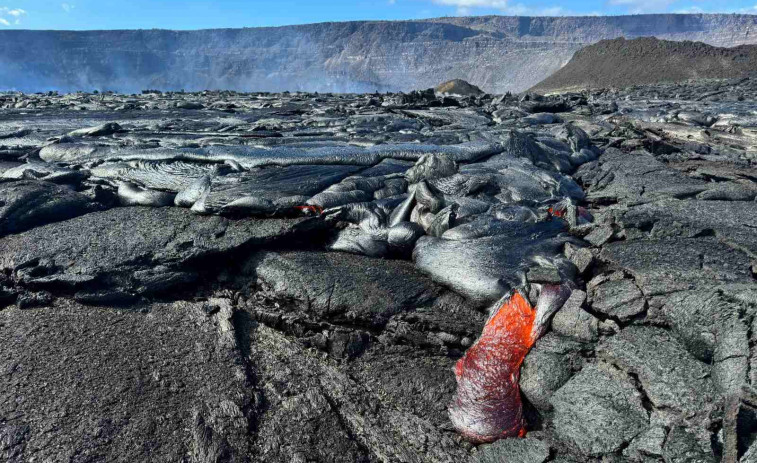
point(199, 14)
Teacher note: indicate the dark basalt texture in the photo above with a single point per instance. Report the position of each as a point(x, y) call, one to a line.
point(218, 276)
point(27, 204)
point(172, 371)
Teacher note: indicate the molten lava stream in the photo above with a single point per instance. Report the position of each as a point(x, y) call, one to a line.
point(488, 405)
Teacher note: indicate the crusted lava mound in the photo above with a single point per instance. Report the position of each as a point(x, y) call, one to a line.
point(458, 87)
point(647, 60)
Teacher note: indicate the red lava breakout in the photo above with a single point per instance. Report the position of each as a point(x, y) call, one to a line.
point(488, 405)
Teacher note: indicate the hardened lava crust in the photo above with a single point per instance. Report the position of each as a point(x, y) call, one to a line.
point(254, 277)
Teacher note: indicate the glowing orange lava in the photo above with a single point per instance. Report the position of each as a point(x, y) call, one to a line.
point(488, 405)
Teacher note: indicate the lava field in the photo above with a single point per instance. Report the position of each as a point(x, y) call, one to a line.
point(238, 277)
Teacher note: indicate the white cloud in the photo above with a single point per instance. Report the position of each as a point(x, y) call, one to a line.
point(16, 12)
point(466, 7)
point(10, 16)
point(643, 6)
point(526, 7)
point(67, 7)
point(690, 10)
point(523, 10)
point(498, 4)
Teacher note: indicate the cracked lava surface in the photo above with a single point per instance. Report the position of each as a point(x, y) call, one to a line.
point(395, 277)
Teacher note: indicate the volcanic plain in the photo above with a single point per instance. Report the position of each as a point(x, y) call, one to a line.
point(222, 276)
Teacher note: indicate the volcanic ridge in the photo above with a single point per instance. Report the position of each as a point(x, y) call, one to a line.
point(496, 53)
point(624, 63)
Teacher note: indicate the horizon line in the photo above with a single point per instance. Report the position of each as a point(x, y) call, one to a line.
point(387, 21)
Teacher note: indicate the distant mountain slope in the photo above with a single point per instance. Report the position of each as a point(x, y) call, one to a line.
point(495, 53)
point(624, 63)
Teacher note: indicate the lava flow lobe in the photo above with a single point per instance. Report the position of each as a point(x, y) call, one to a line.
point(488, 405)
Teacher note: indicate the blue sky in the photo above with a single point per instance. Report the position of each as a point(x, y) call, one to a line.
point(196, 14)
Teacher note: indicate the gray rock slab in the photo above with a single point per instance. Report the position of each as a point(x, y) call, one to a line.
point(670, 376)
point(317, 409)
point(599, 235)
point(731, 360)
point(732, 222)
point(598, 411)
point(582, 258)
point(413, 380)
point(84, 383)
point(547, 367)
point(675, 264)
point(682, 446)
point(647, 446)
point(575, 322)
point(618, 299)
point(340, 286)
point(528, 450)
point(114, 243)
point(699, 317)
point(640, 177)
point(750, 456)
point(26, 204)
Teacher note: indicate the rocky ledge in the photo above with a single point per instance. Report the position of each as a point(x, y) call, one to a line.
point(292, 277)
